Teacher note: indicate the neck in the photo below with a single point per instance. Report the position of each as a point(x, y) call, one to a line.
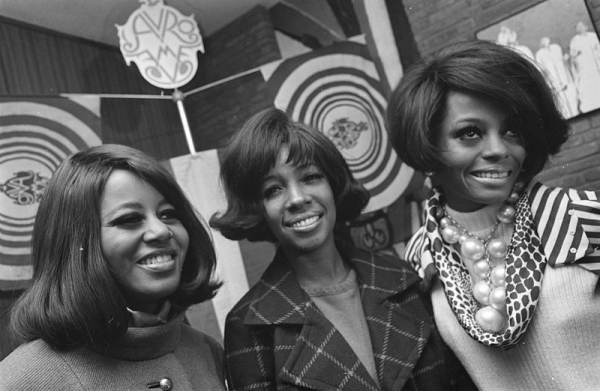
point(321, 268)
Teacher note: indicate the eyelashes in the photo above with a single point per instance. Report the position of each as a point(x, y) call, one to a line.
point(132, 219)
point(276, 187)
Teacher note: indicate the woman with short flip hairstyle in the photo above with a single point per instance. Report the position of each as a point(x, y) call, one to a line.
point(325, 315)
point(119, 254)
point(511, 263)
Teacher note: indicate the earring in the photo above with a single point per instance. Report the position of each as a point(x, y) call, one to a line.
point(428, 174)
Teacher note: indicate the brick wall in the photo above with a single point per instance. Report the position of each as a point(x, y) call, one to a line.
point(441, 22)
point(216, 112)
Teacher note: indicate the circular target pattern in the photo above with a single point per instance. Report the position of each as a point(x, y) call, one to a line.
point(35, 137)
point(340, 94)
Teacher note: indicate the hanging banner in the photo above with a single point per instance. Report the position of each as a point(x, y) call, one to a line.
point(163, 44)
point(337, 90)
point(36, 135)
point(240, 263)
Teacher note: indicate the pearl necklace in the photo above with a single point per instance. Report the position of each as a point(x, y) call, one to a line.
point(490, 291)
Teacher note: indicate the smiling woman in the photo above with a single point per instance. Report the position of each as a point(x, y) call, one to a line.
point(119, 254)
point(142, 240)
point(512, 265)
point(324, 315)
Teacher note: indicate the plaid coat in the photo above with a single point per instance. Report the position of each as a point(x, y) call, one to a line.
point(276, 337)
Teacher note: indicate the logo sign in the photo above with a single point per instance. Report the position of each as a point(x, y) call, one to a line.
point(25, 187)
point(163, 44)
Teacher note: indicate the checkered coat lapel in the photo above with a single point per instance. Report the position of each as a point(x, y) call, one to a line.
point(296, 346)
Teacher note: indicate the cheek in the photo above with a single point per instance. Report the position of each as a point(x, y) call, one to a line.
point(520, 154)
point(117, 248)
point(270, 212)
point(183, 238)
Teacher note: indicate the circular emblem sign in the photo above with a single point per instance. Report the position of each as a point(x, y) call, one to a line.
point(162, 42)
point(339, 94)
point(35, 138)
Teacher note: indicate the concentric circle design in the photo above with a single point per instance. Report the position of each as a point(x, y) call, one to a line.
point(36, 135)
point(340, 94)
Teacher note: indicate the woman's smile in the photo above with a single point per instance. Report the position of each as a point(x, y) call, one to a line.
point(158, 262)
point(305, 224)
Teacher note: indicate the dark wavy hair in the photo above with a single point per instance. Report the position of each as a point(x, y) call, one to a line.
point(253, 151)
point(73, 299)
point(418, 104)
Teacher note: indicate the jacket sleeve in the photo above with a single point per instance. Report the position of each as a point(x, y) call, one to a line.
point(249, 355)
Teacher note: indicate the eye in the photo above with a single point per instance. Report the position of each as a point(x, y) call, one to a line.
point(271, 191)
point(468, 132)
point(169, 215)
point(129, 219)
point(513, 133)
point(313, 177)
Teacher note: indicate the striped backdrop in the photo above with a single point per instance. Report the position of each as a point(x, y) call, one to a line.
point(36, 135)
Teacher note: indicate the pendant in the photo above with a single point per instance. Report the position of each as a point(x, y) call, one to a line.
point(490, 319)
point(472, 249)
point(481, 292)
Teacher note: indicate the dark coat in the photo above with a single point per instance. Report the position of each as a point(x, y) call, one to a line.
point(276, 337)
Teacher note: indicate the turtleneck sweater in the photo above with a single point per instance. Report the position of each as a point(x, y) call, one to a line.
point(190, 359)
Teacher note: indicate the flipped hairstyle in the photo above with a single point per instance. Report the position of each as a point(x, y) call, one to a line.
point(252, 153)
point(74, 299)
point(418, 104)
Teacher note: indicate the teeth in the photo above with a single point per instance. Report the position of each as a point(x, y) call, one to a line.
point(492, 175)
point(305, 222)
point(156, 260)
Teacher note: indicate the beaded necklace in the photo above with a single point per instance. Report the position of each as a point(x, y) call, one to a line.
point(490, 291)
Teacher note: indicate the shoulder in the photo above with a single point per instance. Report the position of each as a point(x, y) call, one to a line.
point(188, 333)
point(380, 269)
point(207, 350)
point(27, 368)
point(542, 197)
point(240, 309)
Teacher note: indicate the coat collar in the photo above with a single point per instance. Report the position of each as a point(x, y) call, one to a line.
point(399, 330)
point(279, 299)
point(557, 224)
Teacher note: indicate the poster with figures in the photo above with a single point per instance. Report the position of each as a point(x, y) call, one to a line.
point(36, 135)
point(559, 36)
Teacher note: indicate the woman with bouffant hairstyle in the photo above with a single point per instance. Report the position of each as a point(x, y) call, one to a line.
point(510, 263)
point(118, 254)
point(325, 314)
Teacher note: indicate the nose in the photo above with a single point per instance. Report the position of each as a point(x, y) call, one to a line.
point(495, 147)
point(156, 230)
point(297, 196)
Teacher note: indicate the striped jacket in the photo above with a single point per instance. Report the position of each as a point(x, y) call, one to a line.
point(276, 338)
point(566, 220)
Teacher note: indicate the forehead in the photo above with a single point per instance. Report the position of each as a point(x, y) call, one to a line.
point(470, 106)
point(123, 187)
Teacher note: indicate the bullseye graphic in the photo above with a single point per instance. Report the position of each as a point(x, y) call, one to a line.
point(35, 137)
point(340, 94)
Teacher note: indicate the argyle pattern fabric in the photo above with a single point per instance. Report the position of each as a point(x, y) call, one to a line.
point(276, 337)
